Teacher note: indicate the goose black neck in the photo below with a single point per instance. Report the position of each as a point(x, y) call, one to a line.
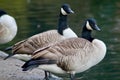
point(62, 24)
point(86, 34)
point(2, 12)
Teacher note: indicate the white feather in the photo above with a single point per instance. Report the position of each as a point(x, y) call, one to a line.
point(63, 11)
point(52, 68)
point(8, 27)
point(24, 57)
point(88, 26)
point(68, 33)
point(101, 47)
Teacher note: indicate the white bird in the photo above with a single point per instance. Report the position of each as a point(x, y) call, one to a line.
point(8, 27)
point(74, 55)
point(24, 49)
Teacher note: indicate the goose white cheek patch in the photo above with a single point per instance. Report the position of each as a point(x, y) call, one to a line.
point(63, 11)
point(88, 26)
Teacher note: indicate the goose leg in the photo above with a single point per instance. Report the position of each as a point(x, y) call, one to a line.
point(46, 76)
point(72, 76)
point(50, 76)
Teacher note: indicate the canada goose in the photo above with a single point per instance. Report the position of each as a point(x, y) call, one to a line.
point(73, 55)
point(8, 27)
point(28, 46)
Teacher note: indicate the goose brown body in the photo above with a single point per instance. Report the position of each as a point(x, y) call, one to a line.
point(74, 54)
point(31, 44)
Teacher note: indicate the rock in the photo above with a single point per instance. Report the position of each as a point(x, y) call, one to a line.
point(10, 69)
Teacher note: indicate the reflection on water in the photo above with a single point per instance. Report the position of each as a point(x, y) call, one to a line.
point(34, 16)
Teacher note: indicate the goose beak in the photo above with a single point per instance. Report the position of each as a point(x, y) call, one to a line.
point(10, 55)
point(70, 10)
point(97, 28)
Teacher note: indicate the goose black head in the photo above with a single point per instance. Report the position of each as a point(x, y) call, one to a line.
point(65, 9)
point(2, 12)
point(91, 24)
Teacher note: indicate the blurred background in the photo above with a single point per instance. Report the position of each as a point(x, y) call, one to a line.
point(35, 16)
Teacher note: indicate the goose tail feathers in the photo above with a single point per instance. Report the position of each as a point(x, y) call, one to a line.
point(8, 48)
point(33, 63)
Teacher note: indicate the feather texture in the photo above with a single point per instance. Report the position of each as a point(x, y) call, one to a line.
point(74, 54)
point(37, 41)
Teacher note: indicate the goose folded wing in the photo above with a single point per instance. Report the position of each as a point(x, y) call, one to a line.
point(64, 46)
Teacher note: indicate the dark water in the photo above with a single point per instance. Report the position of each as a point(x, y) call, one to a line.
point(35, 16)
